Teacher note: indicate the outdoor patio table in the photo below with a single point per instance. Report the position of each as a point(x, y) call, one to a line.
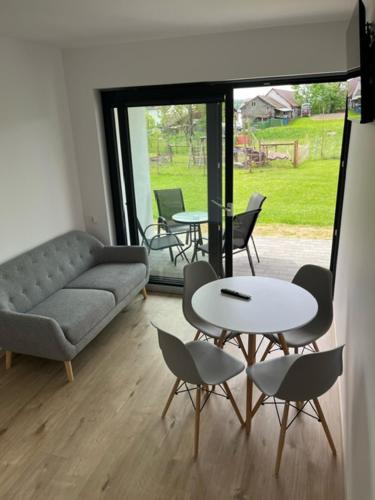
point(194, 219)
point(275, 306)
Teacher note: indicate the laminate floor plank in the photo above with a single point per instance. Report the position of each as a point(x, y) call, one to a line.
point(102, 436)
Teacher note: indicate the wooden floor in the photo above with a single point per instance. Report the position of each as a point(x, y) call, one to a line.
point(102, 437)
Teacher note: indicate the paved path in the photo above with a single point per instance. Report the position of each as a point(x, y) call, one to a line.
point(279, 258)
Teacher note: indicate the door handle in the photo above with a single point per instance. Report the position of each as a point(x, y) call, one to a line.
point(228, 209)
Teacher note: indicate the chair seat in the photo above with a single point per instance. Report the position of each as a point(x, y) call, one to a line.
point(237, 245)
point(164, 241)
point(208, 329)
point(213, 364)
point(268, 375)
point(203, 247)
point(300, 337)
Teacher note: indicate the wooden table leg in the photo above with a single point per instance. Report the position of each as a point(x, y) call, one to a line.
point(249, 392)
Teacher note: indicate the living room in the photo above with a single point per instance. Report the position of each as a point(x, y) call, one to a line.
point(102, 435)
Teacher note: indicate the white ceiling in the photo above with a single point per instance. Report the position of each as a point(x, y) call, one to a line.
point(70, 23)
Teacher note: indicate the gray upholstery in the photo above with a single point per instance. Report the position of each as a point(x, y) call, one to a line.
point(35, 275)
point(42, 315)
point(120, 279)
point(76, 311)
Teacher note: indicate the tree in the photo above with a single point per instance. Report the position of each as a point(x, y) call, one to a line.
point(322, 97)
point(186, 118)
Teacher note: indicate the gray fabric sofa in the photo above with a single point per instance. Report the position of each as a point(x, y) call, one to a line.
point(56, 298)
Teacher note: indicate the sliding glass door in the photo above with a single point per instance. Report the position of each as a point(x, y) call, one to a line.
point(168, 159)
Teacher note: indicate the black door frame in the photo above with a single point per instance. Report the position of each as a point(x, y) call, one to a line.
point(213, 96)
point(208, 91)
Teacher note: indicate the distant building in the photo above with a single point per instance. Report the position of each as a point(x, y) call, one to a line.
point(286, 97)
point(277, 103)
point(354, 93)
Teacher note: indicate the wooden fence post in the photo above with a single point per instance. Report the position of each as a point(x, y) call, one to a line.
point(295, 154)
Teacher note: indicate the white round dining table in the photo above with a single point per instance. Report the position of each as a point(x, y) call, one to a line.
point(275, 306)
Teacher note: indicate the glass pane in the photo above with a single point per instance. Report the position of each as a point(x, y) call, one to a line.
point(169, 156)
point(287, 148)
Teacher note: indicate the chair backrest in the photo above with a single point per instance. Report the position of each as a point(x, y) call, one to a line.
point(256, 201)
point(196, 275)
point(178, 357)
point(169, 202)
point(311, 375)
point(319, 282)
point(243, 226)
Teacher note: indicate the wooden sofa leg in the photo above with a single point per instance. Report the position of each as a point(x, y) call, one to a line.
point(8, 359)
point(69, 371)
point(144, 293)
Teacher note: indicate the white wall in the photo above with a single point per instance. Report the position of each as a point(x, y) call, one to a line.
point(355, 314)
point(355, 311)
point(288, 50)
point(141, 165)
point(39, 193)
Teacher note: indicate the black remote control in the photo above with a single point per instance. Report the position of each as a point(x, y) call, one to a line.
point(237, 295)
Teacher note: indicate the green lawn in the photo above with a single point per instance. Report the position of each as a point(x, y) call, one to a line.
point(305, 195)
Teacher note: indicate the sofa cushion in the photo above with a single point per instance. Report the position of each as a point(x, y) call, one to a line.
point(120, 279)
point(76, 311)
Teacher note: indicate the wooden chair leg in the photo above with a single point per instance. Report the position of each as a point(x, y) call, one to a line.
point(221, 340)
point(234, 404)
point(197, 420)
point(242, 347)
point(8, 359)
point(196, 337)
point(315, 345)
point(325, 425)
point(69, 371)
point(282, 437)
point(170, 397)
point(258, 404)
point(144, 293)
point(283, 343)
point(271, 343)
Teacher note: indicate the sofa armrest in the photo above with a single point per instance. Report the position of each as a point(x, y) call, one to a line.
point(123, 254)
point(34, 335)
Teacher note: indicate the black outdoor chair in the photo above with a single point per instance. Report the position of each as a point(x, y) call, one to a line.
point(170, 202)
point(243, 226)
point(255, 202)
point(160, 240)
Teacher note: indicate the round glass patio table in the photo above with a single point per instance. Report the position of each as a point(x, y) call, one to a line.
point(191, 217)
point(194, 219)
point(275, 306)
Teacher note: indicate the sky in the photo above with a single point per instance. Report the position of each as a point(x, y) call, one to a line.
point(248, 93)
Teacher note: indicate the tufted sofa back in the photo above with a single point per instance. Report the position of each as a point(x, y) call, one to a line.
point(30, 278)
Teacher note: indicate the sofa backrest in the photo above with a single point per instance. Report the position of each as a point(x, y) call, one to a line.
point(30, 278)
